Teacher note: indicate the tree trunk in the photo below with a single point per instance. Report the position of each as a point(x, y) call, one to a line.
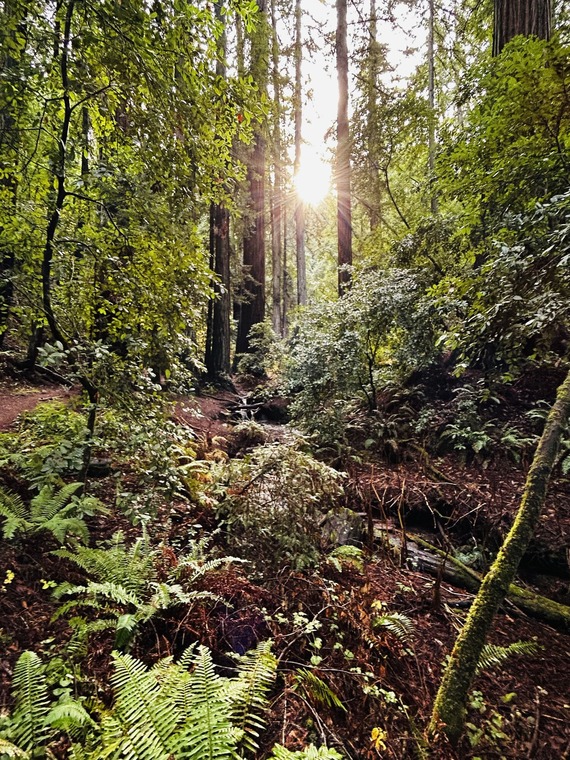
point(253, 306)
point(277, 200)
point(218, 363)
point(432, 117)
point(218, 347)
point(344, 212)
point(374, 56)
point(527, 17)
point(449, 708)
point(285, 281)
point(429, 559)
point(299, 205)
point(13, 18)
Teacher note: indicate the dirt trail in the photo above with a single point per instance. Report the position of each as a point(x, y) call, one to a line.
point(17, 399)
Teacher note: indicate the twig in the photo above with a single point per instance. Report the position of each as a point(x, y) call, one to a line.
point(534, 739)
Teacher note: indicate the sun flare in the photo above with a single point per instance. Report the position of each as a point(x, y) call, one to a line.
point(313, 181)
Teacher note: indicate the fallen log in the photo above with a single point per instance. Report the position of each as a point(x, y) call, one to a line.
point(454, 571)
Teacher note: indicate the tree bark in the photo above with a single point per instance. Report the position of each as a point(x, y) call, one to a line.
point(450, 704)
point(253, 306)
point(527, 17)
point(218, 348)
point(374, 57)
point(14, 19)
point(218, 364)
point(299, 205)
point(344, 210)
point(277, 200)
point(429, 559)
point(432, 117)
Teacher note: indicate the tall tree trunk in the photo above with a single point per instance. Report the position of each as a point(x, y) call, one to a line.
point(218, 347)
point(285, 280)
point(299, 205)
point(432, 118)
point(374, 206)
point(513, 17)
point(253, 305)
point(13, 18)
point(60, 178)
point(449, 708)
point(218, 364)
point(344, 211)
point(277, 200)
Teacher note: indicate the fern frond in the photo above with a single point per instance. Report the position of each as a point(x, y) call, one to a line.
point(188, 656)
point(316, 689)
point(248, 695)
point(9, 750)
point(309, 753)
point(192, 569)
point(151, 722)
point(109, 591)
point(69, 716)
point(46, 504)
point(130, 567)
point(494, 655)
point(60, 526)
point(15, 511)
point(31, 702)
point(169, 594)
point(209, 734)
point(397, 624)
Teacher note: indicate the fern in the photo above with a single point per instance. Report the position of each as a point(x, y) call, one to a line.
point(124, 584)
point(69, 716)
point(129, 567)
point(147, 722)
point(168, 712)
point(47, 505)
point(47, 511)
point(494, 655)
point(15, 512)
point(28, 721)
point(309, 753)
point(9, 750)
point(316, 689)
point(209, 733)
point(249, 694)
point(397, 624)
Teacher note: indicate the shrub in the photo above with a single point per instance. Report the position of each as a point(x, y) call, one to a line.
point(275, 501)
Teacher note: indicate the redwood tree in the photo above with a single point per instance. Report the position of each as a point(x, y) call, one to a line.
point(344, 212)
point(513, 17)
point(299, 205)
point(218, 337)
point(252, 310)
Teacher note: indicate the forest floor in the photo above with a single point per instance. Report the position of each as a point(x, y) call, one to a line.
point(16, 398)
point(384, 682)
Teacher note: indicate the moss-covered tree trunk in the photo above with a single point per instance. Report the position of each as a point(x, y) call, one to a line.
point(450, 704)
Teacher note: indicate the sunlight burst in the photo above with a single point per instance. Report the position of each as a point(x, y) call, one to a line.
point(313, 182)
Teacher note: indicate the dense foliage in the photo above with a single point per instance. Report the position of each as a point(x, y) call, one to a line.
point(143, 149)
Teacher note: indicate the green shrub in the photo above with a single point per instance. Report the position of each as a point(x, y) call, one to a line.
point(276, 498)
point(345, 350)
point(51, 441)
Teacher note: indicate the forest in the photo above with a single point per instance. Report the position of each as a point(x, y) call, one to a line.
point(284, 379)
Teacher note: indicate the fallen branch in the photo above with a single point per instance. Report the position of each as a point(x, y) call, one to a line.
point(456, 572)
